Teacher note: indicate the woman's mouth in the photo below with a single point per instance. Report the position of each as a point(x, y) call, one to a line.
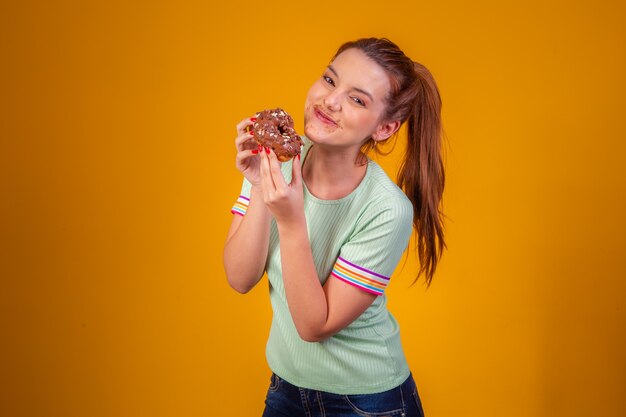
point(323, 117)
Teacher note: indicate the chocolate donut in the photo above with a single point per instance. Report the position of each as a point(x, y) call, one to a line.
point(274, 129)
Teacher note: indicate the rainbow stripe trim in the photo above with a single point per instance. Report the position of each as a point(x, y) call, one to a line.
point(360, 277)
point(241, 206)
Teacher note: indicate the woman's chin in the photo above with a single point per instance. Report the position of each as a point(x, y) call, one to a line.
point(310, 133)
point(316, 133)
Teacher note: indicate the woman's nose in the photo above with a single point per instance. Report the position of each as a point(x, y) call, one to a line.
point(331, 101)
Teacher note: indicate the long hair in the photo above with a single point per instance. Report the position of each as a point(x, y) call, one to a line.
point(414, 98)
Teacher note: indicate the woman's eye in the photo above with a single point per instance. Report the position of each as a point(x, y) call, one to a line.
point(328, 80)
point(358, 101)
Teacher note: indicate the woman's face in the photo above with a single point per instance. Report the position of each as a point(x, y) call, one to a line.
point(344, 107)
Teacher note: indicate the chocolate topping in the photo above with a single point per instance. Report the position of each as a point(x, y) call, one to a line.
point(274, 128)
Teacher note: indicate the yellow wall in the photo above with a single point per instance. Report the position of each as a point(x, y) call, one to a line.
point(117, 175)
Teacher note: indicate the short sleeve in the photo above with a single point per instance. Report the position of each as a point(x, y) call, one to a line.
point(372, 253)
point(241, 205)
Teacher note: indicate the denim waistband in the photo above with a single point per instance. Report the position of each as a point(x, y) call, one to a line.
point(286, 399)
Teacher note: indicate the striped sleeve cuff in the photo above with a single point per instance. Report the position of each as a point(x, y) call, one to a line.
point(240, 206)
point(360, 277)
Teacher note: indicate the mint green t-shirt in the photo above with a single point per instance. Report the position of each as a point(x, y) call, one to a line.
point(358, 239)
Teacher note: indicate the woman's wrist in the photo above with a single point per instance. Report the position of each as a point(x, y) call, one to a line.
point(256, 192)
point(256, 200)
point(292, 226)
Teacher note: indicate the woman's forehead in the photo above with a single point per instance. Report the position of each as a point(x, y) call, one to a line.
point(357, 70)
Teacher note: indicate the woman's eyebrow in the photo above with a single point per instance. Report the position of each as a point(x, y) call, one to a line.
point(360, 90)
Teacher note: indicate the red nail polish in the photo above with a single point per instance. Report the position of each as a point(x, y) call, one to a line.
point(253, 119)
point(260, 148)
point(255, 151)
point(298, 157)
point(267, 150)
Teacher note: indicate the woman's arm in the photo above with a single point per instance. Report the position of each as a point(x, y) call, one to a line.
point(245, 250)
point(318, 311)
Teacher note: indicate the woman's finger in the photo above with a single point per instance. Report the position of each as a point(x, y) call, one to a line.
point(266, 176)
point(243, 155)
point(296, 172)
point(277, 174)
point(241, 126)
point(245, 141)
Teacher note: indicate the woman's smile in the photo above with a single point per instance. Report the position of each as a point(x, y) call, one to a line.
point(323, 117)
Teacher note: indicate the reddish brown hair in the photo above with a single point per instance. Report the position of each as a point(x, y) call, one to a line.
point(414, 98)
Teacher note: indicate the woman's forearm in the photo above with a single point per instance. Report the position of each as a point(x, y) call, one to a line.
point(305, 295)
point(245, 251)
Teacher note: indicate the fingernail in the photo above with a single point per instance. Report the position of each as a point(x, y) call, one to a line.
point(255, 151)
point(298, 157)
point(260, 148)
point(267, 150)
point(253, 119)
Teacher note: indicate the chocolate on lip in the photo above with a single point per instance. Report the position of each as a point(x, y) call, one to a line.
point(324, 115)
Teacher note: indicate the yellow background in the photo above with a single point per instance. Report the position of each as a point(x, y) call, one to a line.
point(117, 176)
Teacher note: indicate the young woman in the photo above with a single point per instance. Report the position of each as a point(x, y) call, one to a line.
point(329, 228)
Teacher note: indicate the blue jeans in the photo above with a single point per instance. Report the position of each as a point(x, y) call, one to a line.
point(287, 400)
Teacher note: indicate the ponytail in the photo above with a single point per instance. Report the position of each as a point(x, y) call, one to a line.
point(422, 175)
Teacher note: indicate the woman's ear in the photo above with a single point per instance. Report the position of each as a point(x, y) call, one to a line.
point(385, 130)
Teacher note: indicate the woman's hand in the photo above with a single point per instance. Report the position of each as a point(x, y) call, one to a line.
point(247, 149)
point(285, 201)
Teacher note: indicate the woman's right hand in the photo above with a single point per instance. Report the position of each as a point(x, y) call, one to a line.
point(248, 161)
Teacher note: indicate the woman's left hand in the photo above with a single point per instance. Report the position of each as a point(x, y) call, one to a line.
point(285, 201)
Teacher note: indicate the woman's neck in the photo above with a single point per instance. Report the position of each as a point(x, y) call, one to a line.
point(330, 174)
